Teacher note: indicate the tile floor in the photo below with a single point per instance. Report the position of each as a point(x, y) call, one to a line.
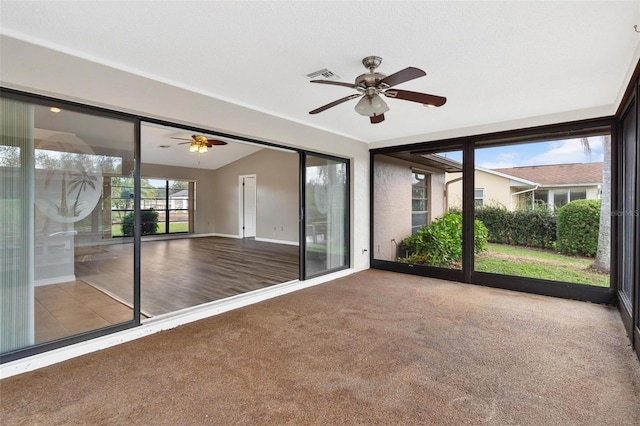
point(74, 307)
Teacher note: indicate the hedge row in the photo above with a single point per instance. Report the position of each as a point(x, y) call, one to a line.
point(530, 228)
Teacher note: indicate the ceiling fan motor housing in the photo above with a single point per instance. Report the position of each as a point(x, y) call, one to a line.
point(369, 79)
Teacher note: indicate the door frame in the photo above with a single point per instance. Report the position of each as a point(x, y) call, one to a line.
point(241, 214)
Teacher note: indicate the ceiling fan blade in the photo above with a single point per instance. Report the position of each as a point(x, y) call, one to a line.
point(182, 143)
point(211, 142)
point(377, 118)
point(401, 76)
point(335, 83)
point(334, 103)
point(180, 139)
point(422, 98)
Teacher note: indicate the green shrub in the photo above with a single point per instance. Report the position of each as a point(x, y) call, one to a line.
point(440, 243)
point(149, 225)
point(533, 227)
point(578, 227)
point(498, 222)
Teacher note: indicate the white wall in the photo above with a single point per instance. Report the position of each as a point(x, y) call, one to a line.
point(40, 70)
point(277, 190)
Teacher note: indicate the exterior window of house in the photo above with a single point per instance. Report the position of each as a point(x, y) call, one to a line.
point(562, 197)
point(541, 197)
point(478, 197)
point(578, 194)
point(419, 201)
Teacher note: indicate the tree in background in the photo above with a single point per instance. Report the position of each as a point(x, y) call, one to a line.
point(603, 254)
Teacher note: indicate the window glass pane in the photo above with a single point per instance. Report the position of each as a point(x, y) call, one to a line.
point(527, 237)
point(560, 198)
point(541, 197)
point(56, 246)
point(418, 220)
point(578, 194)
point(419, 205)
point(326, 219)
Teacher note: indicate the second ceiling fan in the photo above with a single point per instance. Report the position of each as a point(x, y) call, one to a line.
point(199, 143)
point(370, 85)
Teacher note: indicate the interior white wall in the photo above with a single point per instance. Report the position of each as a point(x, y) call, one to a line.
point(277, 191)
point(32, 68)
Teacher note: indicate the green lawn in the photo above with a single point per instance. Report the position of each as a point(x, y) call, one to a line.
point(536, 263)
point(116, 230)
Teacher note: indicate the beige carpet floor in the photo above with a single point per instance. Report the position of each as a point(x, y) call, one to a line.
point(374, 348)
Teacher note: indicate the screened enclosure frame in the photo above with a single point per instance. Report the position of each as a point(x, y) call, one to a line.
point(468, 145)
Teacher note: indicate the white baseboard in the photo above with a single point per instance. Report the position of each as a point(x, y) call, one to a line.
point(215, 234)
point(54, 280)
point(269, 240)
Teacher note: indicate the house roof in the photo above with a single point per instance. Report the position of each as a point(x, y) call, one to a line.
point(558, 174)
point(184, 193)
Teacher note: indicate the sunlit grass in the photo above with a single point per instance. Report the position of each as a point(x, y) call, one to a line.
point(536, 263)
point(116, 230)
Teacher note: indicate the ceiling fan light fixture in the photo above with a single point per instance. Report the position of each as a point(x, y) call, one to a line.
point(379, 105)
point(202, 148)
point(364, 107)
point(193, 147)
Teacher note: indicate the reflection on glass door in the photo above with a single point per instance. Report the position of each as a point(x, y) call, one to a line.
point(56, 250)
point(326, 215)
point(418, 208)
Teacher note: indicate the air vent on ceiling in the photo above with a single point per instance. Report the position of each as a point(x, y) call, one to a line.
point(324, 73)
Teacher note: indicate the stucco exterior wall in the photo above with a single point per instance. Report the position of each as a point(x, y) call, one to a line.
point(496, 189)
point(392, 205)
point(392, 202)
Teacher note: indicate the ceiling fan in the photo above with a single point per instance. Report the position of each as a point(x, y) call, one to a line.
point(370, 85)
point(199, 143)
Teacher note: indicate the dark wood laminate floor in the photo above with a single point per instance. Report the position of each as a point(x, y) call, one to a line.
point(181, 273)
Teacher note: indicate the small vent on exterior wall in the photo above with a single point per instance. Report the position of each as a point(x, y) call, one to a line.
point(324, 73)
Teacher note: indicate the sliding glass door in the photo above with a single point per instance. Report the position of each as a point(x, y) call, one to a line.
point(55, 227)
point(325, 214)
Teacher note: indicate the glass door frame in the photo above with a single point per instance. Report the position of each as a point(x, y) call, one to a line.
point(135, 321)
point(302, 216)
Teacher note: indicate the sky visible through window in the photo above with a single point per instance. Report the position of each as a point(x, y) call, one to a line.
point(535, 154)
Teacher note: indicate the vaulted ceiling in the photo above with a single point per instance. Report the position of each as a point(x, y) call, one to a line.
point(496, 62)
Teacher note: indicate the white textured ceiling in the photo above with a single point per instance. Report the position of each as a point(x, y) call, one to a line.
point(494, 61)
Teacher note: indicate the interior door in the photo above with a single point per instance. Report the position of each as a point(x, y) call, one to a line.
point(248, 206)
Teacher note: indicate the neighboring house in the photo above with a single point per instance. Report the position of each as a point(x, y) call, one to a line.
point(519, 187)
point(179, 200)
point(559, 184)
